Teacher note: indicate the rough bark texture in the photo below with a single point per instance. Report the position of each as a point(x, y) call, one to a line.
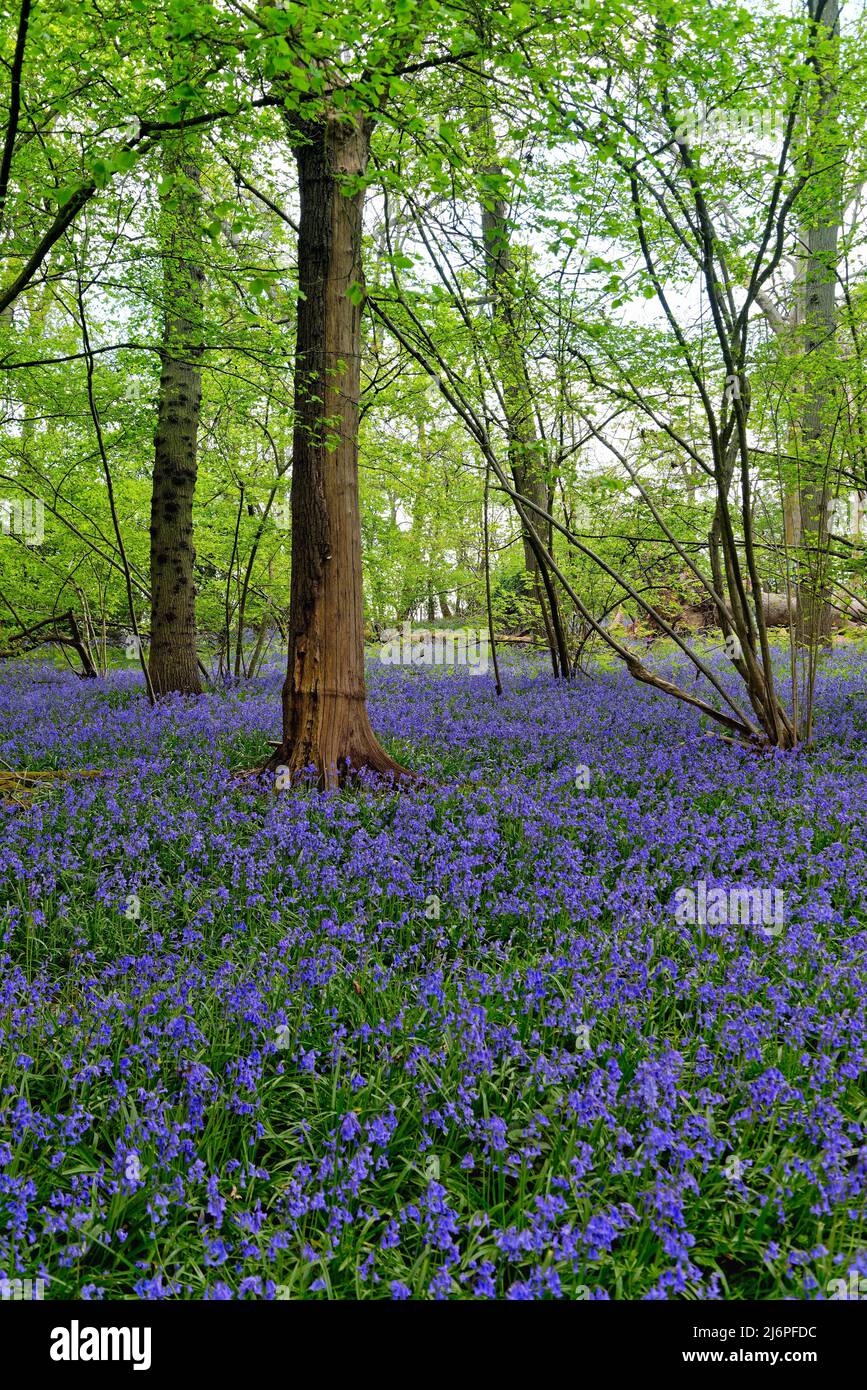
point(325, 720)
point(173, 664)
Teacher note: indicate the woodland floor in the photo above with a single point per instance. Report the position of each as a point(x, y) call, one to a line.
point(450, 1042)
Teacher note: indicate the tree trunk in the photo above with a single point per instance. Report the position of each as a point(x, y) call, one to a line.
point(173, 663)
point(325, 720)
point(525, 454)
point(421, 529)
point(820, 320)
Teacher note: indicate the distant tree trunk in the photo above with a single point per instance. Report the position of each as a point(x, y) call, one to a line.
point(420, 529)
point(173, 663)
point(820, 322)
point(259, 645)
point(525, 455)
point(325, 720)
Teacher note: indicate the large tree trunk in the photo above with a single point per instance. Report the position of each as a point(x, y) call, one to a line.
point(173, 663)
point(325, 720)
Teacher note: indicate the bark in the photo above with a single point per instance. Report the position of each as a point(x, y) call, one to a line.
point(325, 719)
point(525, 456)
point(173, 663)
point(820, 321)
